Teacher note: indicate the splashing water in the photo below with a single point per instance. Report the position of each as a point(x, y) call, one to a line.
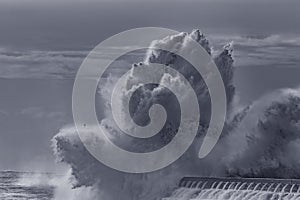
point(258, 140)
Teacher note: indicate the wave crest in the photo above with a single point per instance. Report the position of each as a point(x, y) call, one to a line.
point(260, 140)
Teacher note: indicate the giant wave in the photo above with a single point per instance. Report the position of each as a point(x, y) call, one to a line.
point(258, 140)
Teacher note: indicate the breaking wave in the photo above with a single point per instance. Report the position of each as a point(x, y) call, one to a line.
point(259, 140)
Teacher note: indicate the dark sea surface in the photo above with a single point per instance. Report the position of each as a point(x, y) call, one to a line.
point(24, 185)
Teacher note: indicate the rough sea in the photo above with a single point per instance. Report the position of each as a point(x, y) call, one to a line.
point(22, 186)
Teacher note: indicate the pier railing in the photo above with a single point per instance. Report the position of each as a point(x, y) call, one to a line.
point(254, 184)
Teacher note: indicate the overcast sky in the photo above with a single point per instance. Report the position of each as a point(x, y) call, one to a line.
point(62, 24)
point(42, 44)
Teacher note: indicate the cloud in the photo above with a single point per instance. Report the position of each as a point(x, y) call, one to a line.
point(252, 50)
point(3, 113)
point(39, 64)
point(46, 64)
point(263, 50)
point(41, 113)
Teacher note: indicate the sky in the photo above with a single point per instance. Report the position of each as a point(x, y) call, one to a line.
point(42, 44)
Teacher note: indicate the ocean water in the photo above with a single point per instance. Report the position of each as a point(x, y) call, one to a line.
point(36, 186)
point(24, 186)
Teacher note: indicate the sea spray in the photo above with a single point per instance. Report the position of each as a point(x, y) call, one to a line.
point(113, 185)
